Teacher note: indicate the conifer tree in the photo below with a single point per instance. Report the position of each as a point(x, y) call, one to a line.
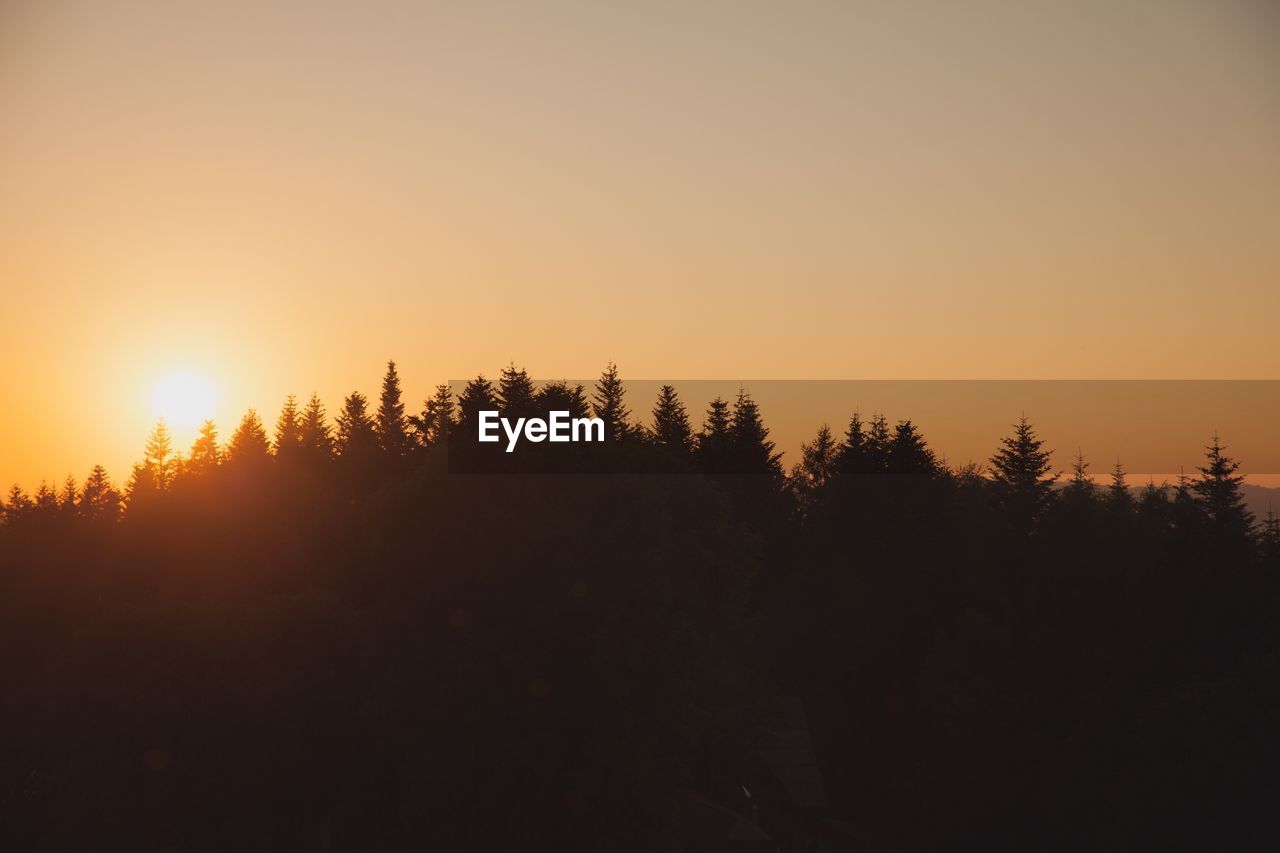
point(1218, 494)
point(69, 497)
point(750, 447)
point(854, 455)
point(99, 500)
point(1185, 512)
point(433, 425)
point(141, 490)
point(515, 392)
point(16, 505)
point(357, 434)
point(609, 405)
point(315, 434)
point(390, 423)
point(1269, 539)
point(1021, 480)
point(1119, 498)
point(878, 440)
point(46, 499)
point(671, 421)
point(249, 442)
point(558, 396)
point(1080, 488)
point(908, 453)
point(712, 451)
point(1153, 504)
point(157, 455)
point(818, 461)
point(205, 453)
point(477, 396)
point(288, 438)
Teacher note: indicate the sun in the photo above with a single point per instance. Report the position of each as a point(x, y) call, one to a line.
point(183, 398)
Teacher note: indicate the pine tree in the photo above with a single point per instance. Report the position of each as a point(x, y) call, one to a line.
point(477, 396)
point(357, 434)
point(288, 438)
point(515, 393)
point(1021, 480)
point(315, 435)
point(1119, 498)
point(712, 450)
point(390, 423)
point(751, 450)
point(17, 505)
point(1153, 504)
point(249, 442)
point(1185, 512)
point(99, 500)
point(1080, 487)
point(69, 497)
point(1269, 539)
point(878, 441)
point(156, 457)
point(46, 499)
point(854, 455)
point(908, 453)
point(671, 422)
point(609, 405)
point(141, 490)
point(558, 396)
point(1218, 494)
point(205, 453)
point(433, 425)
point(818, 461)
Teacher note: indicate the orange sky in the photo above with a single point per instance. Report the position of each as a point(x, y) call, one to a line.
point(282, 195)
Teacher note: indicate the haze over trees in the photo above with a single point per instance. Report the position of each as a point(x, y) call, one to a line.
point(320, 638)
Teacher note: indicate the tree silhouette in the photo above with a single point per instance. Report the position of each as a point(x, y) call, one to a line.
point(671, 422)
point(288, 437)
point(205, 453)
point(1218, 494)
point(714, 441)
point(558, 396)
point(478, 395)
point(315, 434)
point(99, 500)
point(608, 404)
point(249, 442)
point(1269, 540)
point(751, 450)
point(908, 452)
point(515, 392)
point(818, 461)
point(854, 455)
point(1118, 494)
point(1080, 491)
point(157, 457)
point(69, 496)
point(16, 505)
point(433, 425)
point(390, 423)
point(357, 435)
point(1021, 480)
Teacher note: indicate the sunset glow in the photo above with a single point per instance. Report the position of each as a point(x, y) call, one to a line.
point(183, 399)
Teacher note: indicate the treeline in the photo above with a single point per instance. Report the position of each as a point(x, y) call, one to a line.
point(732, 439)
point(314, 637)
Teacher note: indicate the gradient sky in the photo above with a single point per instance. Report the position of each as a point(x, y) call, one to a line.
point(282, 195)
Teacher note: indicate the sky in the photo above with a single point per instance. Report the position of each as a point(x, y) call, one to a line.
point(280, 196)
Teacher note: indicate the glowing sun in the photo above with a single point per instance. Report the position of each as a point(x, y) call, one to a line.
point(183, 398)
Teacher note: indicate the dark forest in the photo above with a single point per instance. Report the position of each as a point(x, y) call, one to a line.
point(326, 635)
